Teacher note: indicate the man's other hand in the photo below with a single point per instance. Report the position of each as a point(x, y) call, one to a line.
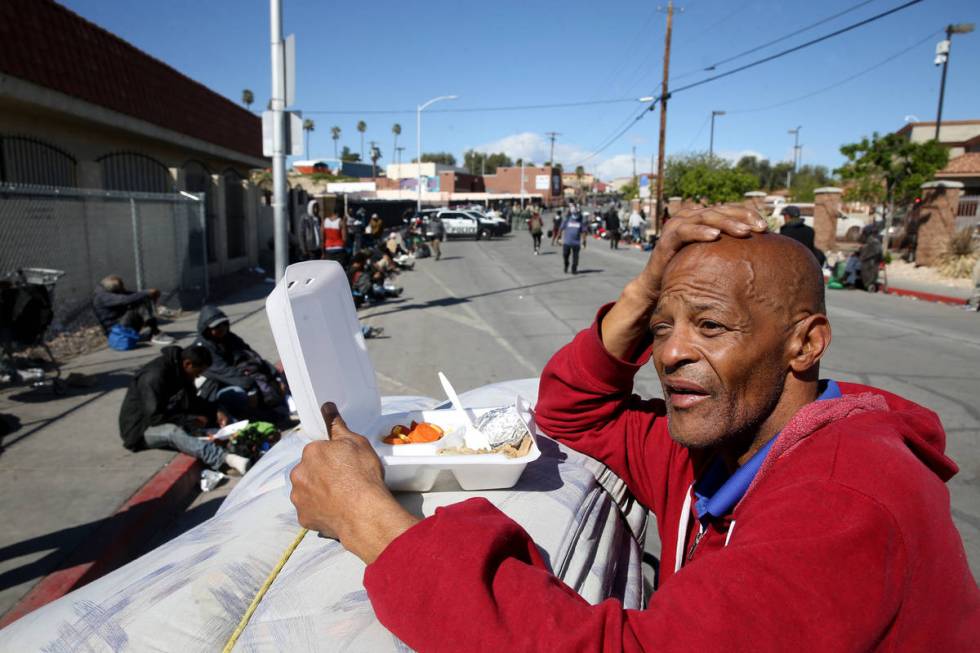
point(200, 421)
point(339, 490)
point(153, 293)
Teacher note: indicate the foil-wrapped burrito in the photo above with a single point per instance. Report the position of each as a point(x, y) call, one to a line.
point(502, 426)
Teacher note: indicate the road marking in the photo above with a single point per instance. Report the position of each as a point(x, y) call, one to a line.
point(476, 322)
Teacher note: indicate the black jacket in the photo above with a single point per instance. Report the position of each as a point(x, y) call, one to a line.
point(109, 307)
point(159, 393)
point(230, 358)
point(803, 234)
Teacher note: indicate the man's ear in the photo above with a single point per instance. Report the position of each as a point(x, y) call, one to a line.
point(809, 341)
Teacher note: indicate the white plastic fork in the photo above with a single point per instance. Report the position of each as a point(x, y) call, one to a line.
point(472, 436)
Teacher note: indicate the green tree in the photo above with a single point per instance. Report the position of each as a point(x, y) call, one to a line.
point(335, 135)
point(629, 191)
point(396, 129)
point(347, 155)
point(248, 98)
point(308, 126)
point(890, 169)
point(807, 179)
point(444, 158)
point(362, 127)
point(698, 175)
point(483, 163)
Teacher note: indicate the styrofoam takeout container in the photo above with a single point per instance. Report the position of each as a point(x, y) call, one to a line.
point(315, 327)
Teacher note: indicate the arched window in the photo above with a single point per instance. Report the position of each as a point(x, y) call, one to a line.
point(129, 171)
point(197, 179)
point(234, 213)
point(26, 160)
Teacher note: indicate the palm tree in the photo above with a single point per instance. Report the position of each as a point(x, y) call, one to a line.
point(396, 129)
point(248, 98)
point(362, 127)
point(335, 135)
point(308, 126)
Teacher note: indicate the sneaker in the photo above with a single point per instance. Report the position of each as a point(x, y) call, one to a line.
point(237, 463)
point(162, 339)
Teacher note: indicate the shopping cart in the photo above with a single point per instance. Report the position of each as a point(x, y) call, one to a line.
point(26, 312)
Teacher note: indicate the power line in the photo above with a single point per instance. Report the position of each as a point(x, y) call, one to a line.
point(783, 53)
point(845, 80)
point(522, 107)
point(752, 64)
point(693, 72)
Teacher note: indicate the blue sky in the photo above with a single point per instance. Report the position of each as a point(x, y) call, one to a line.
point(384, 55)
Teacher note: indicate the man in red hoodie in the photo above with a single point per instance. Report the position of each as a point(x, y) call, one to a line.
point(794, 513)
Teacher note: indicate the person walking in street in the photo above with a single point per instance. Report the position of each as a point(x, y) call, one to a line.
point(335, 239)
point(555, 227)
point(434, 232)
point(572, 238)
point(534, 225)
point(612, 228)
point(636, 226)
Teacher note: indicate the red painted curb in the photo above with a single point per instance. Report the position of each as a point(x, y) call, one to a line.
point(116, 542)
point(927, 296)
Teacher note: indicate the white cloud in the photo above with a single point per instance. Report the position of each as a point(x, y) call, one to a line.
point(735, 155)
point(532, 146)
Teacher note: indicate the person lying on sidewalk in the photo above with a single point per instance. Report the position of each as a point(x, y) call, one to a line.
point(238, 379)
point(795, 513)
point(114, 305)
point(161, 409)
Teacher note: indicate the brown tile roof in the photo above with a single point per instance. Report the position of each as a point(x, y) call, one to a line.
point(45, 43)
point(965, 164)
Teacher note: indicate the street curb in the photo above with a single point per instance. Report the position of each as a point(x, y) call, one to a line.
point(120, 539)
point(926, 296)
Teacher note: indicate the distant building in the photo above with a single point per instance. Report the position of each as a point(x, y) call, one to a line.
point(335, 167)
point(957, 135)
point(80, 107)
point(539, 182)
point(412, 170)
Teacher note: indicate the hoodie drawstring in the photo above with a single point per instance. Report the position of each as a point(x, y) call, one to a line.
point(682, 525)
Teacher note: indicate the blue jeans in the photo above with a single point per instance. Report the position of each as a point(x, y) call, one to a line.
point(171, 436)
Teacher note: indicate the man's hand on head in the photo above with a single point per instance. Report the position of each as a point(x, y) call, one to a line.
point(339, 490)
point(625, 326)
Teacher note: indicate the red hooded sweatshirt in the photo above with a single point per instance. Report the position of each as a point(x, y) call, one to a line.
point(843, 541)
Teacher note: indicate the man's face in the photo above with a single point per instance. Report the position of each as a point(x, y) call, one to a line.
point(718, 347)
point(219, 332)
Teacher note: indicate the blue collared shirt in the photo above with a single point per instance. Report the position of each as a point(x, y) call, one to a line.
point(717, 491)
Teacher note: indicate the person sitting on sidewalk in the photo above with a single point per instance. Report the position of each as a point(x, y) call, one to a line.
point(796, 513)
point(161, 409)
point(238, 378)
point(114, 305)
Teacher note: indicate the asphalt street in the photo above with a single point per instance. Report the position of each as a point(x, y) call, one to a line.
point(491, 311)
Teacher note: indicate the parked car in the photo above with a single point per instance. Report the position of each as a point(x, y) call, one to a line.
point(489, 227)
point(456, 224)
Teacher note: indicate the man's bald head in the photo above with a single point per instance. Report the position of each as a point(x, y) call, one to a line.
point(773, 271)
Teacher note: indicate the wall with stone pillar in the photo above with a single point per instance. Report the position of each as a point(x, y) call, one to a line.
point(937, 217)
point(826, 206)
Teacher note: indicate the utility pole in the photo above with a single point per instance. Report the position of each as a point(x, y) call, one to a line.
point(711, 143)
point(398, 154)
point(552, 136)
point(522, 184)
point(634, 166)
point(796, 154)
point(942, 56)
point(278, 104)
point(663, 117)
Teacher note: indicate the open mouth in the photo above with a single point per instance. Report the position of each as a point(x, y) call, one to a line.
point(684, 394)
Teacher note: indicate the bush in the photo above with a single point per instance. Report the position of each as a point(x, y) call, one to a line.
point(960, 255)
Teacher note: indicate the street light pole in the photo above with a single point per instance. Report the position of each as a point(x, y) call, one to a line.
point(711, 143)
point(796, 150)
point(942, 54)
point(278, 103)
point(418, 144)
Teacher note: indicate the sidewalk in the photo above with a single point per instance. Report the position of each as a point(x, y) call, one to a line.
point(926, 291)
point(65, 472)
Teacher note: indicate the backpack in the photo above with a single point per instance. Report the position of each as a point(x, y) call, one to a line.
point(123, 338)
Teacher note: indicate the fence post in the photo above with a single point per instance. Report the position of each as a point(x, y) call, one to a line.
point(203, 219)
point(137, 249)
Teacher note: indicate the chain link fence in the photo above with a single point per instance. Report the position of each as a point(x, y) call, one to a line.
point(150, 240)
